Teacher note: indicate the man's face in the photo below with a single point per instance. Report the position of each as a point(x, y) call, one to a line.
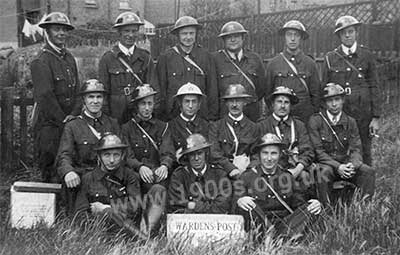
point(334, 104)
point(235, 106)
point(234, 42)
point(57, 34)
point(197, 160)
point(128, 35)
point(269, 157)
point(111, 158)
point(145, 107)
point(348, 36)
point(93, 102)
point(187, 36)
point(190, 105)
point(281, 106)
point(292, 39)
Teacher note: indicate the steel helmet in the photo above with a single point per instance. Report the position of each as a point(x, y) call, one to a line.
point(127, 18)
point(282, 90)
point(185, 21)
point(110, 141)
point(332, 89)
point(92, 86)
point(195, 142)
point(268, 139)
point(142, 91)
point(56, 18)
point(296, 25)
point(236, 91)
point(189, 89)
point(344, 22)
point(232, 27)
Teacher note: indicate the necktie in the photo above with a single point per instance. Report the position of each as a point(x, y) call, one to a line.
point(190, 125)
point(237, 57)
point(335, 119)
point(96, 124)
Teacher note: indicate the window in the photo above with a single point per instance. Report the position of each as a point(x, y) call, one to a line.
point(90, 3)
point(124, 5)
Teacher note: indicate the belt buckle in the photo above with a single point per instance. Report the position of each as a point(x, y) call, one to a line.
point(127, 91)
point(347, 90)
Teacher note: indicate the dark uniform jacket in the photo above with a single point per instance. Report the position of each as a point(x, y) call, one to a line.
point(251, 184)
point(56, 84)
point(179, 129)
point(278, 73)
point(78, 141)
point(364, 100)
point(119, 82)
point(302, 140)
point(113, 188)
point(211, 192)
point(141, 151)
point(223, 146)
point(173, 71)
point(252, 65)
point(328, 149)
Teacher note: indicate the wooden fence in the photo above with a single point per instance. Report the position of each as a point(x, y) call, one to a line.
point(17, 148)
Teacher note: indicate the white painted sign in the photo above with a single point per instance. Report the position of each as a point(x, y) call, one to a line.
point(198, 228)
point(30, 208)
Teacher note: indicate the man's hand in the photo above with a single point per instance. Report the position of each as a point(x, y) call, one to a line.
point(161, 173)
point(98, 207)
point(146, 174)
point(314, 206)
point(346, 171)
point(246, 203)
point(234, 173)
point(374, 127)
point(72, 179)
point(68, 118)
point(297, 170)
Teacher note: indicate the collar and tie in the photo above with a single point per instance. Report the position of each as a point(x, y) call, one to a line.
point(334, 118)
point(349, 50)
point(93, 121)
point(236, 120)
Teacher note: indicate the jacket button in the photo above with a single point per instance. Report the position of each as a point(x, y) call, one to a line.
point(348, 69)
point(145, 151)
point(97, 195)
point(347, 83)
point(111, 196)
point(269, 196)
point(143, 136)
point(188, 68)
point(336, 71)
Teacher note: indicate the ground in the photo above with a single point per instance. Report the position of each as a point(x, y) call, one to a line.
point(363, 227)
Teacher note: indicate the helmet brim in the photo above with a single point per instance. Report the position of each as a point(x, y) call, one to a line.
point(176, 29)
point(243, 96)
point(47, 24)
point(119, 146)
point(141, 97)
point(337, 30)
point(304, 34)
point(92, 91)
point(196, 148)
point(222, 35)
point(293, 99)
point(127, 24)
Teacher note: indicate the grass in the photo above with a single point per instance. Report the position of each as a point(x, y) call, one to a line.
point(363, 227)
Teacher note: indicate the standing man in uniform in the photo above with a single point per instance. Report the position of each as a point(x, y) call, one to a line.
point(125, 67)
point(55, 86)
point(293, 69)
point(297, 150)
point(198, 186)
point(187, 62)
point(189, 99)
point(337, 145)
point(150, 153)
point(76, 154)
point(353, 66)
point(237, 65)
point(234, 134)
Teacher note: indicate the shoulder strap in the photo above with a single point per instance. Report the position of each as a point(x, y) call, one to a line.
point(332, 130)
point(240, 70)
point(189, 60)
point(92, 129)
point(294, 69)
point(129, 69)
point(146, 134)
point(278, 196)
point(292, 134)
point(235, 138)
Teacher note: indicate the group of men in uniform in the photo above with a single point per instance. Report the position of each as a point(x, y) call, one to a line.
point(206, 132)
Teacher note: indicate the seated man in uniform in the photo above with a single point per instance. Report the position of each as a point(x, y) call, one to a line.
point(75, 154)
point(338, 146)
point(150, 153)
point(234, 134)
point(268, 195)
point(189, 98)
point(198, 186)
point(298, 152)
point(111, 188)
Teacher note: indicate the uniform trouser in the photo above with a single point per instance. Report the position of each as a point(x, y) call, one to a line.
point(48, 140)
point(364, 179)
point(286, 226)
point(363, 129)
point(155, 197)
